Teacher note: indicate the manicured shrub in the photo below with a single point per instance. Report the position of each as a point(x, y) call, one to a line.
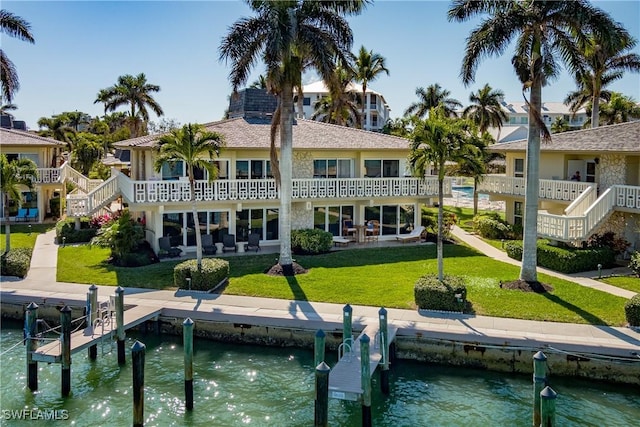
point(491, 228)
point(432, 294)
point(123, 236)
point(16, 262)
point(429, 220)
point(214, 271)
point(311, 241)
point(632, 310)
point(634, 263)
point(565, 260)
point(65, 229)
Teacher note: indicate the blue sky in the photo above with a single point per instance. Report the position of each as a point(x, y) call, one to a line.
point(82, 47)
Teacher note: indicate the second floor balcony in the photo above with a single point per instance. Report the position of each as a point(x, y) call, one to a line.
point(265, 189)
point(549, 189)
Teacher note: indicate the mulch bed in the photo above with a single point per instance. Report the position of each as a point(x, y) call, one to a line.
point(276, 270)
point(523, 286)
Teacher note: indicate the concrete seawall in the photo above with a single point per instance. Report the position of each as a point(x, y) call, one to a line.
point(414, 341)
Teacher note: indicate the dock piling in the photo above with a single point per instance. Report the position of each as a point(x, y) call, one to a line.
point(365, 379)
point(92, 315)
point(319, 345)
point(120, 333)
point(321, 418)
point(548, 407)
point(187, 340)
point(137, 358)
point(31, 320)
point(539, 382)
point(65, 326)
point(384, 350)
point(347, 334)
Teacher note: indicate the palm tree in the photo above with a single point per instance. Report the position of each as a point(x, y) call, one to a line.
point(473, 163)
point(341, 106)
point(135, 92)
point(367, 66)
point(288, 35)
point(434, 141)
point(76, 118)
point(400, 126)
point(13, 26)
point(486, 108)
point(605, 59)
point(543, 32)
point(15, 174)
point(559, 125)
point(583, 96)
point(430, 98)
point(619, 109)
point(259, 83)
point(196, 148)
point(58, 129)
point(5, 108)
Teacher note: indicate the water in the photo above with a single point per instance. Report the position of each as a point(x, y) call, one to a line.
point(466, 192)
point(244, 385)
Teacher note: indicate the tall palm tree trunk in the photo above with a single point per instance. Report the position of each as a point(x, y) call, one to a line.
point(595, 107)
point(286, 172)
point(475, 197)
point(196, 220)
point(530, 230)
point(440, 227)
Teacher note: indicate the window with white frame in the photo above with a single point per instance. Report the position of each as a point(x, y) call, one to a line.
point(517, 213)
point(253, 169)
point(331, 218)
point(262, 221)
point(518, 168)
point(332, 168)
point(381, 168)
point(172, 171)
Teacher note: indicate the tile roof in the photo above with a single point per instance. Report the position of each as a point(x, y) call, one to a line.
point(622, 137)
point(19, 137)
point(241, 133)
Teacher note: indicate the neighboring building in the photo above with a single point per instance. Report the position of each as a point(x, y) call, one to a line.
point(46, 154)
point(340, 174)
point(7, 122)
point(606, 199)
point(517, 124)
point(377, 110)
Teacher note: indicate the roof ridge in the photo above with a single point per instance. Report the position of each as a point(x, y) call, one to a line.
point(351, 129)
point(33, 135)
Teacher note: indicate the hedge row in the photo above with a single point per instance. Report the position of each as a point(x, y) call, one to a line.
point(432, 294)
point(311, 241)
point(66, 231)
point(214, 271)
point(632, 310)
point(16, 262)
point(565, 260)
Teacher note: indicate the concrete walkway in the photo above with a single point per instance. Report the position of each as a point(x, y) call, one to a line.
point(41, 286)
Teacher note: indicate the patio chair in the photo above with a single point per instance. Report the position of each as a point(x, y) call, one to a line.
point(22, 214)
point(33, 214)
point(229, 243)
point(349, 230)
point(372, 231)
point(415, 235)
point(254, 242)
point(165, 245)
point(208, 248)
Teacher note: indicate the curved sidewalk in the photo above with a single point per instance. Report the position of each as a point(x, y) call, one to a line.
point(40, 287)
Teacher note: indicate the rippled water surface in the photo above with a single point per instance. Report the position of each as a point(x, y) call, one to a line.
point(257, 386)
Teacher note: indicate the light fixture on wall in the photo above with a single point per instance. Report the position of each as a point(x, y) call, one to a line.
point(596, 160)
point(239, 207)
point(309, 206)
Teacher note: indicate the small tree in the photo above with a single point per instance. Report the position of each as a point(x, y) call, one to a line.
point(15, 174)
point(122, 236)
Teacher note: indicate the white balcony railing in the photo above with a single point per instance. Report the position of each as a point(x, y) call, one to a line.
point(582, 202)
point(265, 189)
point(549, 189)
point(86, 204)
point(48, 175)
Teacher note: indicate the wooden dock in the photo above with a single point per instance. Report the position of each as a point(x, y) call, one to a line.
point(345, 377)
point(51, 352)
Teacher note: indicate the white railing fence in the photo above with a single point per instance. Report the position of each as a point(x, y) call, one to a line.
point(87, 204)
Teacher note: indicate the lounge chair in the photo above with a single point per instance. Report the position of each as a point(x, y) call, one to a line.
point(349, 231)
point(165, 245)
point(33, 214)
point(229, 243)
point(254, 242)
point(415, 235)
point(22, 214)
point(208, 248)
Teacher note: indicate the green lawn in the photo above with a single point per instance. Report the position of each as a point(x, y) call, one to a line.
point(22, 236)
point(629, 283)
point(373, 276)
